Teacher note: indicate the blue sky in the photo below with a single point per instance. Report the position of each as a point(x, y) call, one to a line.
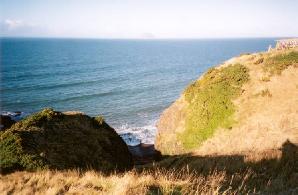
point(149, 19)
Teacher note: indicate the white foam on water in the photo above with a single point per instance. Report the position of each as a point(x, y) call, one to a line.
point(16, 116)
point(136, 135)
point(132, 135)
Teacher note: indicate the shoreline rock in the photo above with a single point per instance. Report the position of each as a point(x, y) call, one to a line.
point(144, 153)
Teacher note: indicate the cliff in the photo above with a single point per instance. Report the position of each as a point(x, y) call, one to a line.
point(56, 140)
point(248, 103)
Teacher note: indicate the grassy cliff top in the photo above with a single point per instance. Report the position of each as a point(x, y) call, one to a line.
point(226, 98)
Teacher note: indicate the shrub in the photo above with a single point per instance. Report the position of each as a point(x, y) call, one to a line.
point(276, 64)
point(259, 61)
point(51, 139)
point(265, 79)
point(264, 93)
point(210, 103)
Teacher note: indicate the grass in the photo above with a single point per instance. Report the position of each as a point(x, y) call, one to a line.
point(171, 182)
point(274, 173)
point(259, 61)
point(13, 156)
point(160, 181)
point(210, 103)
point(264, 93)
point(265, 79)
point(276, 64)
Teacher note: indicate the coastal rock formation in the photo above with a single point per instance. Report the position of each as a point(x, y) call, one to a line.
point(248, 103)
point(5, 122)
point(144, 153)
point(55, 140)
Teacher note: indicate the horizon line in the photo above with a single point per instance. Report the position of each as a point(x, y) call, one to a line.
point(172, 38)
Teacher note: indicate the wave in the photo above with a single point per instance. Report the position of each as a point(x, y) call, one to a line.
point(136, 135)
point(16, 116)
point(132, 135)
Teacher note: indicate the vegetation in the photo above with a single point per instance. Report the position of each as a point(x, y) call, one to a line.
point(274, 173)
point(259, 61)
point(51, 139)
point(210, 103)
point(276, 64)
point(13, 156)
point(265, 79)
point(264, 93)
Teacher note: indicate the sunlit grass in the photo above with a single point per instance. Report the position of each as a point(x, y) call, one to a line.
point(210, 103)
point(276, 64)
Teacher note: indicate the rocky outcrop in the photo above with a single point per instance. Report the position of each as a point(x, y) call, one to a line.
point(171, 122)
point(144, 154)
point(5, 122)
point(55, 140)
point(248, 103)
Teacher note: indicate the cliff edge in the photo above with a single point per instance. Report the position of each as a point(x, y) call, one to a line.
point(248, 103)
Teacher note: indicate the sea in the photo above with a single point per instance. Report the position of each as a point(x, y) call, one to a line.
point(128, 82)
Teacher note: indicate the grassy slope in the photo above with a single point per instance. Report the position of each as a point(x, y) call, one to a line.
point(211, 97)
point(266, 112)
point(210, 103)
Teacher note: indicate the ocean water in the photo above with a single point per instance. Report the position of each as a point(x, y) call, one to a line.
point(129, 82)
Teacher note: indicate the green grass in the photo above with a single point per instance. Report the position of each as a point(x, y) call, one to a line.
point(13, 156)
point(11, 148)
point(276, 64)
point(210, 103)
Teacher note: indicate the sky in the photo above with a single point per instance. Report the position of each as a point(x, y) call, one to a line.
point(146, 19)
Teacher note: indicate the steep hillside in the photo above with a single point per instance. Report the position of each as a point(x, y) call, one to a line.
point(248, 103)
point(56, 140)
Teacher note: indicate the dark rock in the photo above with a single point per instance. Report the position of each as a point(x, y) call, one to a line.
point(5, 122)
point(144, 153)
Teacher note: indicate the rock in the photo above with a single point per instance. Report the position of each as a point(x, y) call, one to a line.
point(144, 153)
point(51, 139)
point(5, 122)
point(171, 122)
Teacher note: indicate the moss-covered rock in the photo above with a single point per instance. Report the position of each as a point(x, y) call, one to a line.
point(55, 140)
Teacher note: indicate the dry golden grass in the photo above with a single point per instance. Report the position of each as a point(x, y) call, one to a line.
point(270, 172)
point(148, 182)
point(267, 112)
point(74, 182)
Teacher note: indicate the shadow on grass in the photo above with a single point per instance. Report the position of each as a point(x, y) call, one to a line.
point(275, 170)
